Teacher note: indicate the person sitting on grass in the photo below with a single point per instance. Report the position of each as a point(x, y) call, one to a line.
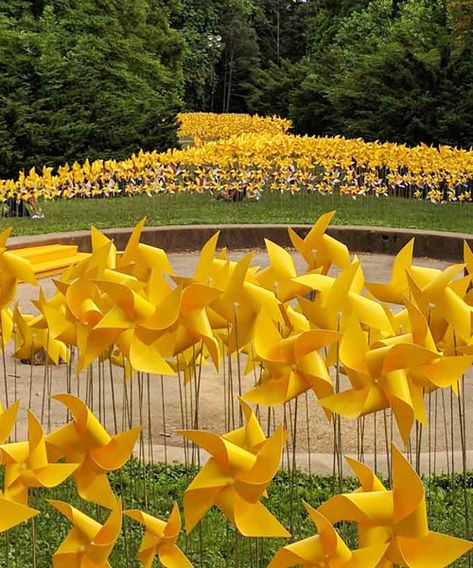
point(13, 207)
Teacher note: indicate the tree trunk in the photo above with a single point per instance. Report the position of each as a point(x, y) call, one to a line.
point(230, 79)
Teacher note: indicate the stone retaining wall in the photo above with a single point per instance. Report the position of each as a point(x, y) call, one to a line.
point(377, 240)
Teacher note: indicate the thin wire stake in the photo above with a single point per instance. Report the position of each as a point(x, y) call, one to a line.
point(163, 402)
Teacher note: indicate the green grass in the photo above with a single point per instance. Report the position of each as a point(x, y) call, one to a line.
point(212, 544)
point(186, 209)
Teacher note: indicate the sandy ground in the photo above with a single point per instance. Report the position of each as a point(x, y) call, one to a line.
point(314, 433)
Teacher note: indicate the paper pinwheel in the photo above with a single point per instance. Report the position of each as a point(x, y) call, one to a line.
point(373, 389)
point(13, 514)
point(341, 295)
point(398, 287)
point(242, 464)
point(88, 544)
point(240, 304)
point(435, 291)
point(397, 517)
point(293, 364)
point(86, 442)
point(160, 539)
point(327, 549)
point(7, 421)
point(318, 249)
point(279, 276)
point(27, 465)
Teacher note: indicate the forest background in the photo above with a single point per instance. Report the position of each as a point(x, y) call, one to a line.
point(103, 78)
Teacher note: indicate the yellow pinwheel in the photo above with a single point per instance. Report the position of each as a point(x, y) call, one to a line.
point(88, 543)
point(210, 270)
point(318, 249)
point(181, 320)
point(341, 295)
point(398, 286)
point(140, 259)
point(86, 442)
point(33, 336)
point(397, 517)
point(7, 421)
point(160, 539)
point(242, 464)
point(241, 302)
point(123, 324)
point(13, 269)
point(13, 514)
point(293, 364)
point(279, 276)
point(374, 388)
point(27, 465)
point(326, 550)
point(437, 295)
point(416, 352)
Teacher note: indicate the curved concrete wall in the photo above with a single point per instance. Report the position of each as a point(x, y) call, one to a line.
point(433, 244)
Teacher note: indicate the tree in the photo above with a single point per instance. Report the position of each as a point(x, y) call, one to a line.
point(19, 134)
point(100, 79)
point(381, 75)
point(199, 24)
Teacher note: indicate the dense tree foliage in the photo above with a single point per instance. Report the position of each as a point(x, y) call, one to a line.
point(84, 78)
point(397, 70)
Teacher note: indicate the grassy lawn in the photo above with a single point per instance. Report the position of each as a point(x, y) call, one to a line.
point(188, 209)
point(212, 543)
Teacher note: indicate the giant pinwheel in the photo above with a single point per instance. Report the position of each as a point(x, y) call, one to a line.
point(240, 468)
point(88, 543)
point(397, 517)
point(85, 441)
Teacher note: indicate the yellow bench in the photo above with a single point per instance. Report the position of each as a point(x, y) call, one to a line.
point(48, 260)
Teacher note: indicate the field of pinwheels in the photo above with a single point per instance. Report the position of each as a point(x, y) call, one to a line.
point(185, 415)
point(235, 155)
